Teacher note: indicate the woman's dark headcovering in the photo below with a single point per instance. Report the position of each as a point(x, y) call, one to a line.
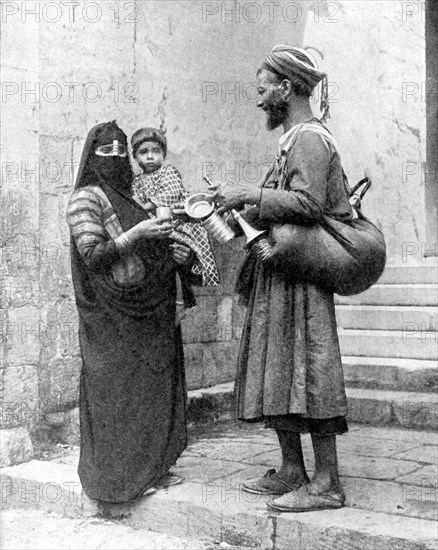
point(94, 169)
point(148, 134)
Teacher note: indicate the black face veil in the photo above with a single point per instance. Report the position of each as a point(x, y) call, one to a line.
point(114, 171)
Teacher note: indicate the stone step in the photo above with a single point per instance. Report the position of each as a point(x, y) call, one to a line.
point(37, 529)
point(390, 504)
point(411, 343)
point(378, 407)
point(388, 373)
point(425, 273)
point(411, 410)
point(387, 317)
point(394, 295)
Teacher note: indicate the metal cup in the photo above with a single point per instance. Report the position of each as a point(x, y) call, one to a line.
point(198, 206)
point(201, 208)
point(164, 212)
point(218, 229)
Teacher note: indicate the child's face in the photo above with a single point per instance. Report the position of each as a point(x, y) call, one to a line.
point(149, 156)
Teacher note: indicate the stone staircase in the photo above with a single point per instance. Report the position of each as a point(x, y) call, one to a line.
point(389, 342)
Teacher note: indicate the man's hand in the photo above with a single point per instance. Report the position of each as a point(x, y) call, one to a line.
point(235, 195)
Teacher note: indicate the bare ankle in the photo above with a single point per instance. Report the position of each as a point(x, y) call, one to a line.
point(326, 482)
point(293, 473)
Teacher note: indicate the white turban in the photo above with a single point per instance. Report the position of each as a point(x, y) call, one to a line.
point(289, 61)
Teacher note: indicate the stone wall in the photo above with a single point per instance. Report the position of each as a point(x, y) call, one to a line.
point(375, 60)
point(188, 65)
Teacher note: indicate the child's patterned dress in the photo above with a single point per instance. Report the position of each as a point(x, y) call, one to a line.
point(164, 188)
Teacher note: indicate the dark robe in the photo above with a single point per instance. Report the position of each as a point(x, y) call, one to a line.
point(132, 384)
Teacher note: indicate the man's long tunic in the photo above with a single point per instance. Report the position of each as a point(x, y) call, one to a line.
point(289, 359)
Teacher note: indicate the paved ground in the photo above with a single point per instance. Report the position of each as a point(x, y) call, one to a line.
point(389, 475)
point(383, 469)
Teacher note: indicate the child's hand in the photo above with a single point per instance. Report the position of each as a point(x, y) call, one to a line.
point(149, 206)
point(179, 212)
point(182, 254)
point(178, 208)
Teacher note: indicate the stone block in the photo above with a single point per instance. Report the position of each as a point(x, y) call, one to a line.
point(219, 362)
point(225, 318)
point(419, 295)
point(238, 317)
point(407, 409)
point(423, 454)
point(369, 411)
point(398, 435)
point(373, 467)
point(20, 116)
point(15, 446)
point(388, 343)
point(64, 426)
point(425, 478)
point(389, 497)
point(200, 323)
point(245, 530)
point(59, 383)
point(57, 167)
point(19, 396)
point(361, 444)
point(54, 246)
point(20, 258)
point(21, 286)
point(59, 330)
point(386, 317)
point(390, 373)
point(204, 470)
point(28, 31)
point(227, 448)
point(23, 336)
point(44, 486)
point(193, 361)
point(420, 414)
point(204, 406)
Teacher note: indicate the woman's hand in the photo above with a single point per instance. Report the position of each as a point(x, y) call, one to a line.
point(235, 195)
point(157, 228)
point(182, 254)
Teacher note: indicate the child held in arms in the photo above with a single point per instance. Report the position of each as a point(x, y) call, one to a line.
point(160, 185)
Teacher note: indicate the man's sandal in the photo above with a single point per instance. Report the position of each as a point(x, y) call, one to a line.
point(269, 484)
point(306, 499)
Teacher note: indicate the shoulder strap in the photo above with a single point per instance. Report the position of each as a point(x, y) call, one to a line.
point(310, 127)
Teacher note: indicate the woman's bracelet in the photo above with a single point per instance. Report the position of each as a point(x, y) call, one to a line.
point(122, 242)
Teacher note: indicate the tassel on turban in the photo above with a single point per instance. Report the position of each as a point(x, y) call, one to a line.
point(289, 61)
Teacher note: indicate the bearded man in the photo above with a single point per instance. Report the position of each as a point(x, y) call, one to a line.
point(289, 366)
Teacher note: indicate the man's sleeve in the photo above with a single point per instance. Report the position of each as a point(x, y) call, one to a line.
point(304, 195)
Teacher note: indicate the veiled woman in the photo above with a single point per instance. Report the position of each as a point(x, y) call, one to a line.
point(132, 384)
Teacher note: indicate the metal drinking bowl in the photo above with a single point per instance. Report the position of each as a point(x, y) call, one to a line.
point(199, 206)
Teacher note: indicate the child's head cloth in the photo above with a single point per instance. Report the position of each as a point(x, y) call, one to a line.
point(148, 134)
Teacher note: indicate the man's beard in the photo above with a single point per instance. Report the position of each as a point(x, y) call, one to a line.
point(276, 114)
